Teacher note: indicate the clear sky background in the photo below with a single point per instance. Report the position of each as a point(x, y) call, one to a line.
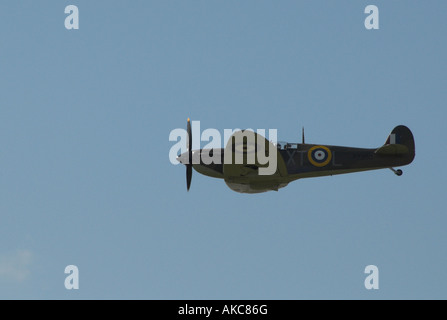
point(85, 177)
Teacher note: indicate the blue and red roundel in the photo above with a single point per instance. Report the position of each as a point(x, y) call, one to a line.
point(319, 156)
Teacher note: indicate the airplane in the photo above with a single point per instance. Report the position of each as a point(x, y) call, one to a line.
point(295, 160)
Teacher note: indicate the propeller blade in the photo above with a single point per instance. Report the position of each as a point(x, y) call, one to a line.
point(189, 131)
point(188, 176)
point(189, 165)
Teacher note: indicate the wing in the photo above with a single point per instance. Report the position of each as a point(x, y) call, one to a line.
point(251, 157)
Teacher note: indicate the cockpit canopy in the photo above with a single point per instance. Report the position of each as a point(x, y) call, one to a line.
point(283, 145)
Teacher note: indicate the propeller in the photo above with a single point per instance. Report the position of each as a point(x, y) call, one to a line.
point(189, 163)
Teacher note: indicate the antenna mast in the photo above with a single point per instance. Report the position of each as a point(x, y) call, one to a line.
point(303, 136)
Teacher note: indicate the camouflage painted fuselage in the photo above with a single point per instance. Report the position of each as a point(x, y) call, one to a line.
point(296, 161)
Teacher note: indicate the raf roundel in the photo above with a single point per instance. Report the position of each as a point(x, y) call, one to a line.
point(319, 156)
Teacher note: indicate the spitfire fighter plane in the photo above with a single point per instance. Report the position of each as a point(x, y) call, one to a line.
point(294, 160)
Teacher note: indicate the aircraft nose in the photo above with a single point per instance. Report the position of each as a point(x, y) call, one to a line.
point(183, 158)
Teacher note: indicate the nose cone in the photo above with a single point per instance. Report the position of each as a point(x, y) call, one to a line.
point(183, 158)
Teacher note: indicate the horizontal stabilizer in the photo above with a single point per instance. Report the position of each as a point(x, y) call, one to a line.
point(393, 149)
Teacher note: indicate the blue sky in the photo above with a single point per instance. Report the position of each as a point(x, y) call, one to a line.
point(85, 177)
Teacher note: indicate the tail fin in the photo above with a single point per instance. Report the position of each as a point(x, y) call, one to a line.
point(400, 142)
